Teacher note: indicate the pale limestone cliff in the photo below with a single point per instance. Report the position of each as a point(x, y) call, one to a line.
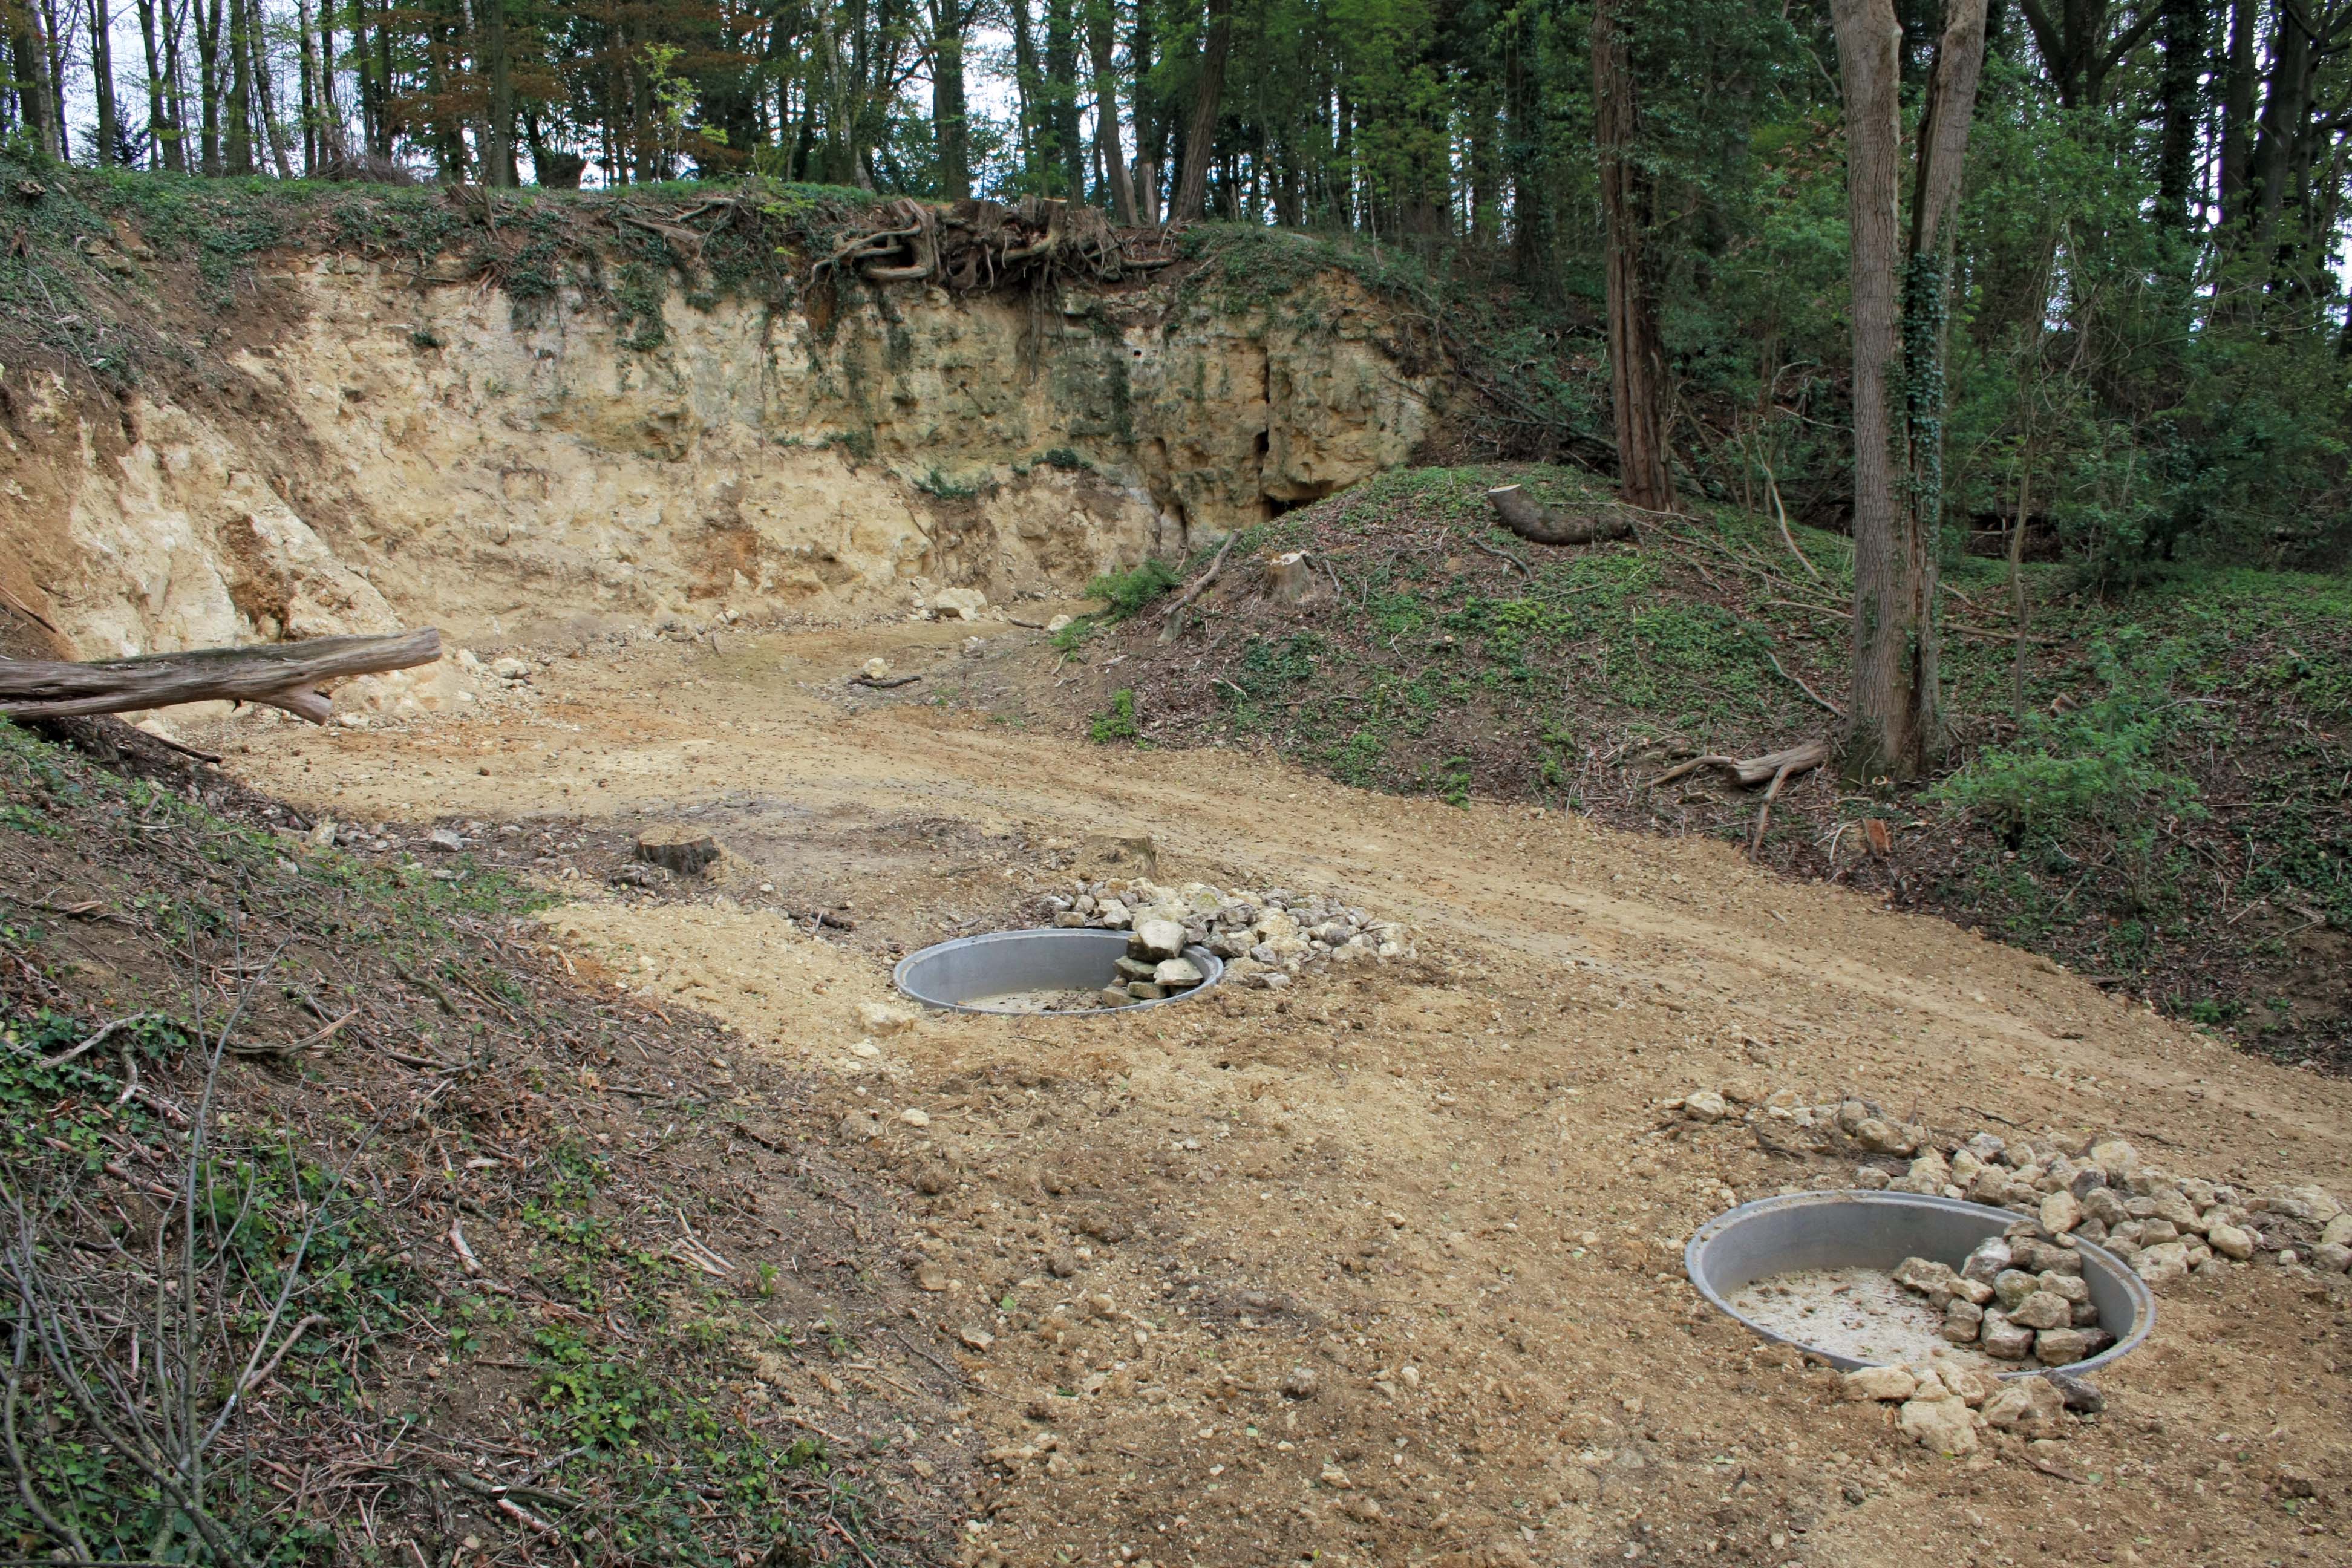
point(396, 455)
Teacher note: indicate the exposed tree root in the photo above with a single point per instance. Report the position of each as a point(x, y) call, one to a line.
point(976, 245)
point(1778, 767)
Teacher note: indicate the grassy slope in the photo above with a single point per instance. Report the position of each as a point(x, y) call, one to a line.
point(591, 1362)
point(2189, 840)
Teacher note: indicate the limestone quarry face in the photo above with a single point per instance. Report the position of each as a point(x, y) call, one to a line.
point(406, 455)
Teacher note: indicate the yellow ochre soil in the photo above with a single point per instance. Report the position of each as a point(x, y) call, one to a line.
point(1385, 1268)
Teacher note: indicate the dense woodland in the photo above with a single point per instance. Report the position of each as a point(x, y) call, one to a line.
point(2049, 278)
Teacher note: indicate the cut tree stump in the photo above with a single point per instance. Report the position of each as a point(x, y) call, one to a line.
point(686, 852)
point(1538, 524)
point(281, 675)
point(1290, 578)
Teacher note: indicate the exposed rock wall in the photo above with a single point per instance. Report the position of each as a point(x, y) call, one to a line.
point(392, 454)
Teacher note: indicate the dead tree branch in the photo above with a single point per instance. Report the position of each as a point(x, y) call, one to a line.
point(281, 675)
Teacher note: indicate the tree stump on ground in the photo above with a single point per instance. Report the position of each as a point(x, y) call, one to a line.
point(688, 851)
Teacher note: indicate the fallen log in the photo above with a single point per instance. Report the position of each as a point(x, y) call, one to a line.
point(281, 675)
point(1538, 524)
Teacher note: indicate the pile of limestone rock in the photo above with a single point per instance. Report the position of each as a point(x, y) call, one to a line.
point(1263, 937)
point(2018, 1296)
point(1947, 1404)
point(2096, 1189)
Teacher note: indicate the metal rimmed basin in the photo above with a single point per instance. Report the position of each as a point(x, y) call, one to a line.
point(1879, 1230)
point(958, 974)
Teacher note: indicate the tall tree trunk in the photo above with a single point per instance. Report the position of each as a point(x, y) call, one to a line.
point(1028, 86)
point(1343, 159)
point(1151, 124)
point(209, 17)
point(163, 144)
point(236, 138)
point(1208, 101)
point(2181, 37)
point(844, 163)
point(307, 82)
point(497, 142)
point(950, 127)
point(1896, 722)
point(334, 141)
point(2239, 78)
point(2285, 110)
point(265, 105)
point(101, 78)
point(1069, 151)
point(1637, 361)
point(28, 54)
point(53, 39)
point(1100, 22)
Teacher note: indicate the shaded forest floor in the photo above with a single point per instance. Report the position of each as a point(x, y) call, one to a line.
point(551, 1267)
point(2168, 813)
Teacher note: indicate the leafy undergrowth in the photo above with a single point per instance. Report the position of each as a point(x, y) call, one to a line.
point(2169, 810)
point(488, 1263)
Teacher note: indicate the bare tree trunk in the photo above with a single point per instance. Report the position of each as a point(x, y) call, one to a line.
point(29, 53)
point(498, 141)
point(283, 675)
point(307, 87)
point(236, 152)
point(951, 127)
point(1098, 34)
point(273, 133)
point(1207, 100)
point(1896, 726)
point(2238, 81)
point(101, 78)
point(162, 140)
point(1637, 361)
point(1028, 87)
point(53, 37)
point(1068, 159)
point(2182, 40)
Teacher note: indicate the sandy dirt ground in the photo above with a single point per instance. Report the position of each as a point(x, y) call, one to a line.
point(1387, 1267)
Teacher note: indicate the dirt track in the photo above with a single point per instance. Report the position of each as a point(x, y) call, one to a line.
point(1439, 1188)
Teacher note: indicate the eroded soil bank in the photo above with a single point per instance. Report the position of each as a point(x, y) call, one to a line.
point(1386, 1266)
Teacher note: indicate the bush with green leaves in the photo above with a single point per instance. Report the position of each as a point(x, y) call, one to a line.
point(1130, 592)
point(2093, 764)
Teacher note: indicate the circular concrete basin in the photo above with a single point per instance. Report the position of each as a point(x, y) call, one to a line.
point(997, 972)
point(1879, 1230)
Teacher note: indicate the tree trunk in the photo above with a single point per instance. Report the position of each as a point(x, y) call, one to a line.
point(1066, 162)
point(101, 78)
point(2238, 82)
point(163, 148)
point(53, 39)
point(1207, 100)
point(950, 129)
point(1100, 22)
point(1028, 86)
point(28, 52)
point(314, 122)
point(236, 151)
point(1637, 364)
point(1538, 524)
point(2182, 39)
point(283, 675)
point(1896, 726)
point(265, 104)
point(497, 142)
